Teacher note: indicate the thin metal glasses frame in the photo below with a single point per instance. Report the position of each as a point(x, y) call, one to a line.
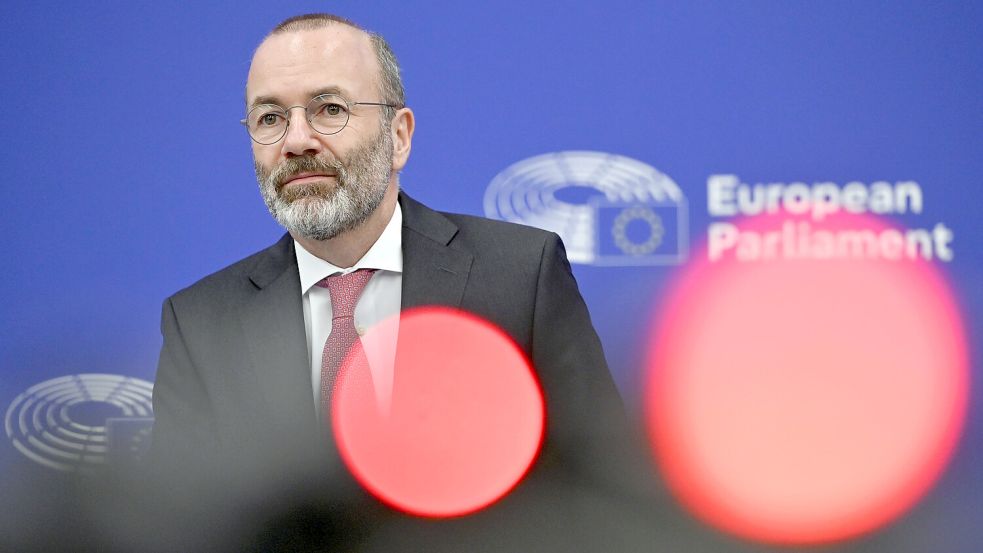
point(307, 115)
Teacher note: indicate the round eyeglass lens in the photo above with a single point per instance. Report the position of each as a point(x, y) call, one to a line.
point(267, 123)
point(327, 113)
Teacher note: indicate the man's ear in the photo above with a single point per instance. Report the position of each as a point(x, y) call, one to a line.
point(402, 134)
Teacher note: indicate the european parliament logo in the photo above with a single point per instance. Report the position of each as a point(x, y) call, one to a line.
point(77, 422)
point(610, 210)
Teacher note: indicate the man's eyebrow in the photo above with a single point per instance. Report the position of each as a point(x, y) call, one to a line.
point(317, 92)
point(328, 90)
point(264, 100)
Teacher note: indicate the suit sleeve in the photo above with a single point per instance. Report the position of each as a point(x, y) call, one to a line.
point(586, 421)
point(183, 432)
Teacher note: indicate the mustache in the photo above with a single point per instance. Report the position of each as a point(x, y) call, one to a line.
point(304, 164)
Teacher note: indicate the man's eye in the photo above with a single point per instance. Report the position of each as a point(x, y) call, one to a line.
point(332, 110)
point(269, 119)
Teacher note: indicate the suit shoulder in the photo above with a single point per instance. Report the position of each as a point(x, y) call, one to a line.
point(507, 233)
point(236, 276)
point(501, 245)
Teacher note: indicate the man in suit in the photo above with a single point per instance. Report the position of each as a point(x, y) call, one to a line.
point(237, 395)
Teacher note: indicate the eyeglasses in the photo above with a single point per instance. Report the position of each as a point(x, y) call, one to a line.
point(327, 114)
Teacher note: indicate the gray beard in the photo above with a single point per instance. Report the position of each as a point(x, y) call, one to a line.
point(324, 210)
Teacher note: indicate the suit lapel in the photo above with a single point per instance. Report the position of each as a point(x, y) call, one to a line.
point(433, 272)
point(273, 324)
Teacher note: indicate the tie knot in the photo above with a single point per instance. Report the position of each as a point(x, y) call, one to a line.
point(345, 290)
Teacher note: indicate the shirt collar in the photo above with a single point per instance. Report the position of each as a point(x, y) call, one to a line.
point(385, 255)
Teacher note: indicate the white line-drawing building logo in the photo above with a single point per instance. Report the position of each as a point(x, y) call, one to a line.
point(76, 422)
point(608, 209)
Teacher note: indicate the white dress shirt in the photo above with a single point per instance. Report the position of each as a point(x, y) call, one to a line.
point(379, 302)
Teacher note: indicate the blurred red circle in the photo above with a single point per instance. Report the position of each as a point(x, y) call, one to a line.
point(460, 425)
point(804, 400)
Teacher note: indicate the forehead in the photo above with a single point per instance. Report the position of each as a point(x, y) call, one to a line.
point(291, 66)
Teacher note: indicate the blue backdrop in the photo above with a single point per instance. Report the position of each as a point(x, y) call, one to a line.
point(129, 176)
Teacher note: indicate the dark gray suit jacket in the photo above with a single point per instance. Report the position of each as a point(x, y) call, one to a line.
point(233, 382)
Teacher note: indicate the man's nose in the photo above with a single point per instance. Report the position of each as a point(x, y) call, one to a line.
point(300, 139)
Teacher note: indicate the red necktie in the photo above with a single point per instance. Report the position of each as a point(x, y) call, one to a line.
point(344, 290)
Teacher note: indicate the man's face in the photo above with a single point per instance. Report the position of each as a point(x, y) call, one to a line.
point(315, 185)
